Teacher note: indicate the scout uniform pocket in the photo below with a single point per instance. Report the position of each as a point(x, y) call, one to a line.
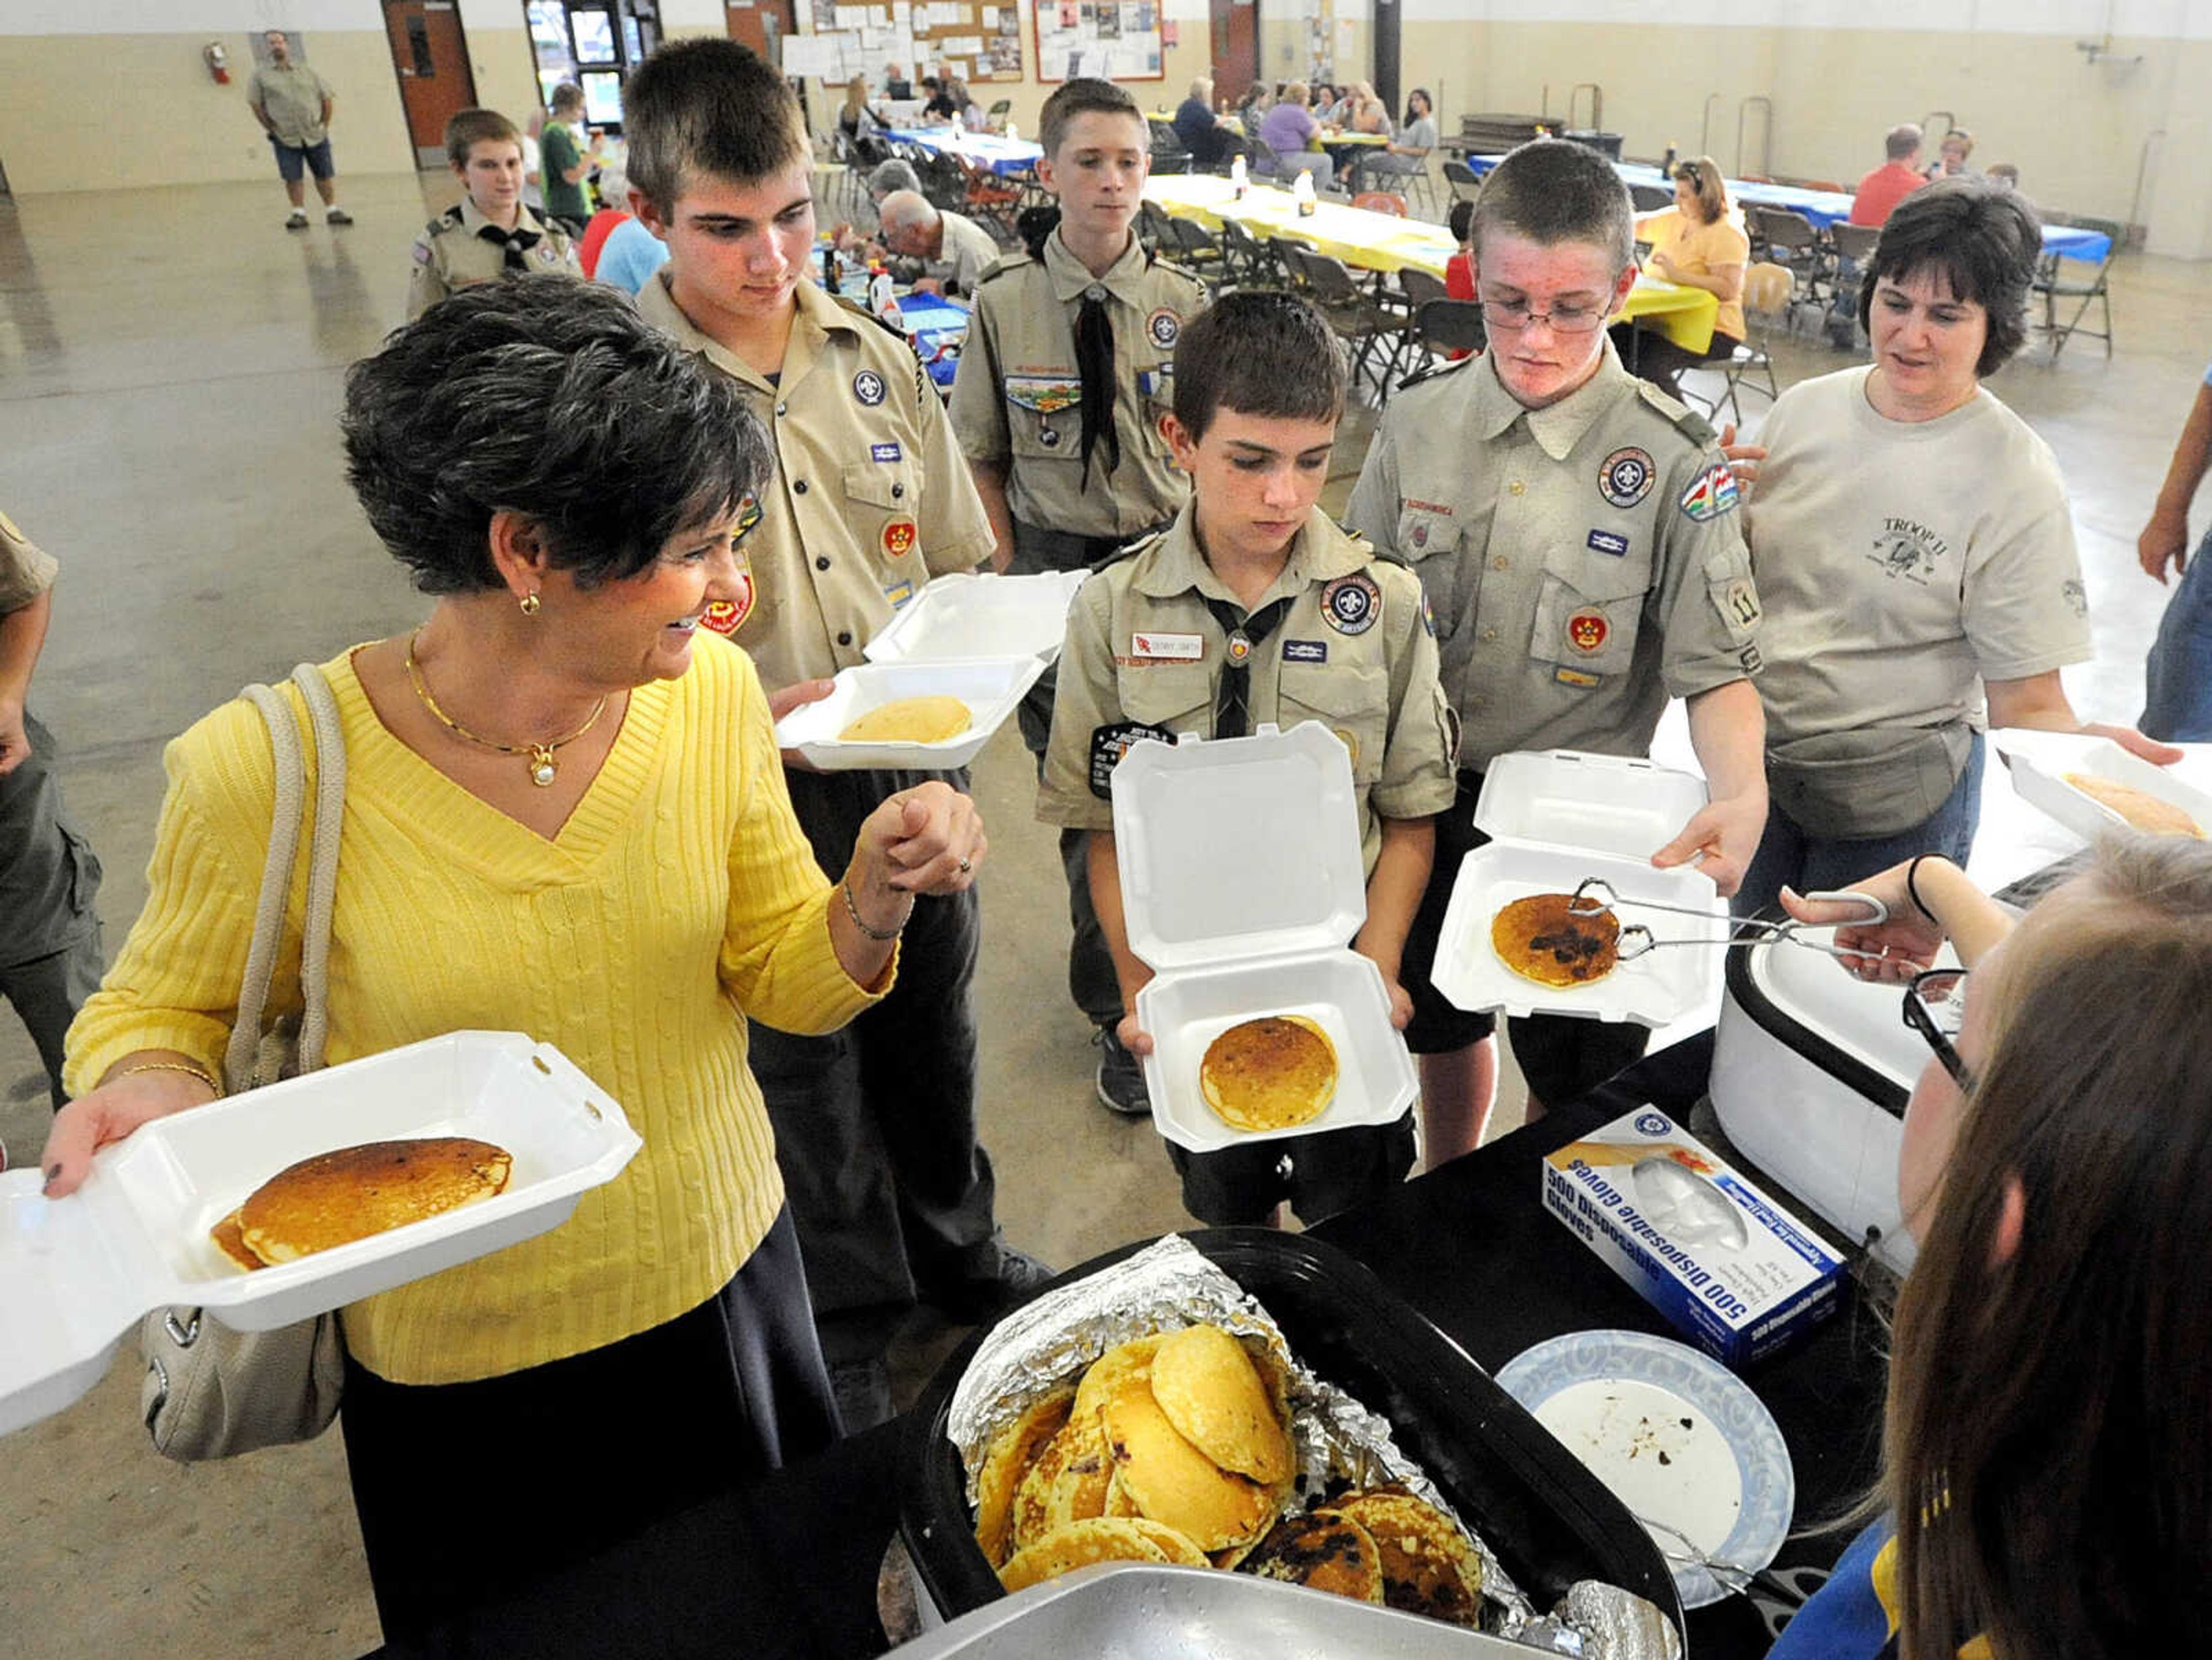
point(1044, 415)
point(1352, 700)
point(1587, 613)
point(879, 504)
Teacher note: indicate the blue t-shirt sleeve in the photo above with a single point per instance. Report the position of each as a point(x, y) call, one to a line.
point(2207, 374)
point(1844, 1619)
point(629, 257)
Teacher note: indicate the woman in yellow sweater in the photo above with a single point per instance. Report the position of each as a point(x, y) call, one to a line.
point(565, 815)
point(1699, 245)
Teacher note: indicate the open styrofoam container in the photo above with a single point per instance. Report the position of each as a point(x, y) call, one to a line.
point(966, 615)
point(2039, 761)
point(1241, 886)
point(992, 687)
point(1554, 818)
point(76, 1274)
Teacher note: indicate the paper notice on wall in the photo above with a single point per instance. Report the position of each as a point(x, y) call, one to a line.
point(957, 67)
point(852, 17)
point(810, 54)
point(966, 45)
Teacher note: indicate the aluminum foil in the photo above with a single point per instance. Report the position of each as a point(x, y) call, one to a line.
point(1047, 1342)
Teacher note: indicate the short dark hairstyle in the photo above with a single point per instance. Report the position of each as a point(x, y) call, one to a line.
point(1983, 240)
point(1260, 352)
point(1551, 192)
point(565, 96)
point(708, 107)
point(549, 398)
point(1086, 96)
point(1461, 220)
point(469, 128)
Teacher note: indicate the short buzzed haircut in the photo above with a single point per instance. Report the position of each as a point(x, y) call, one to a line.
point(1551, 191)
point(708, 108)
point(1086, 96)
point(1260, 352)
point(1902, 143)
point(469, 128)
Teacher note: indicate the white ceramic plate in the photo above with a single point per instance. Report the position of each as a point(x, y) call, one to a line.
point(1677, 1437)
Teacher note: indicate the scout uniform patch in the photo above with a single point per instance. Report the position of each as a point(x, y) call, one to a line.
point(1164, 328)
point(1351, 603)
point(898, 538)
point(1109, 743)
point(868, 387)
point(1046, 394)
point(1587, 631)
point(724, 616)
point(1713, 495)
point(1624, 477)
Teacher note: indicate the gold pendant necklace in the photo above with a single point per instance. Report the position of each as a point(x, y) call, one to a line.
point(542, 768)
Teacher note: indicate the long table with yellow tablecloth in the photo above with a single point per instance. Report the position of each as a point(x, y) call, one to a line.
point(1383, 242)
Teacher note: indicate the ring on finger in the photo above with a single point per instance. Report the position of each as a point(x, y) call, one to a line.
point(966, 865)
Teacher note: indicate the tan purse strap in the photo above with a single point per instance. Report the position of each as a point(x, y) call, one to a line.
point(322, 861)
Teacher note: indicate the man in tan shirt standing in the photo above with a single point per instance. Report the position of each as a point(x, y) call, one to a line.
point(875, 1125)
point(294, 105)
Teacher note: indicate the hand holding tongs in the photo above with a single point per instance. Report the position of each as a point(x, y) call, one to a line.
point(1636, 939)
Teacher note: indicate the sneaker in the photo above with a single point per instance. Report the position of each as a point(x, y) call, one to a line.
point(337, 216)
point(298, 220)
point(1121, 1077)
point(1016, 1277)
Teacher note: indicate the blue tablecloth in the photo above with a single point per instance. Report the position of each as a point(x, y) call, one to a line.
point(985, 150)
point(938, 327)
point(1825, 208)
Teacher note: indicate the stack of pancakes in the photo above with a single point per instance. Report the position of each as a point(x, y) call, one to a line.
point(1273, 1073)
point(336, 1197)
point(1546, 938)
point(1176, 1448)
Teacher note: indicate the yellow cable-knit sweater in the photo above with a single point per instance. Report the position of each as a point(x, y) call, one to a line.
point(678, 899)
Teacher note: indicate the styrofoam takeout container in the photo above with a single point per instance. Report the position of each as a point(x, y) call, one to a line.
point(984, 639)
point(2039, 761)
point(1554, 818)
point(1241, 886)
point(76, 1274)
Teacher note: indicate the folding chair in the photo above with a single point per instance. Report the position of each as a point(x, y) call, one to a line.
point(990, 198)
point(1195, 250)
point(2051, 284)
point(1464, 184)
point(1767, 294)
point(1449, 328)
point(995, 117)
point(1854, 246)
point(1416, 288)
point(1650, 198)
point(1249, 262)
point(1789, 238)
point(1422, 187)
point(1380, 201)
point(1289, 253)
point(1154, 224)
point(1353, 313)
point(1169, 154)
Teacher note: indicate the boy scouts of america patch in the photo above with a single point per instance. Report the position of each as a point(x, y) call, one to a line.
point(1713, 494)
point(724, 616)
point(1625, 477)
point(1046, 394)
point(1587, 631)
point(1163, 328)
point(898, 538)
point(868, 387)
point(1351, 603)
point(1108, 744)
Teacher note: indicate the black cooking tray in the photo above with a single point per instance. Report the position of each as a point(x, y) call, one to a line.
point(1547, 1518)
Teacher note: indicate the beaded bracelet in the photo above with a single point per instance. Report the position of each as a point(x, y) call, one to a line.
point(1913, 888)
point(200, 1072)
point(877, 934)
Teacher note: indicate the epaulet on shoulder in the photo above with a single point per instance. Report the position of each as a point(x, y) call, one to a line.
point(1436, 372)
point(1680, 415)
point(860, 310)
point(444, 221)
point(1004, 263)
point(1126, 551)
point(1183, 271)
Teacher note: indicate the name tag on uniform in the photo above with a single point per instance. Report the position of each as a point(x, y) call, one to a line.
point(1575, 678)
point(1171, 647)
point(1305, 651)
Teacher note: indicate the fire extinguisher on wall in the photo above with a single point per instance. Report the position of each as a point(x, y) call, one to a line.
point(218, 62)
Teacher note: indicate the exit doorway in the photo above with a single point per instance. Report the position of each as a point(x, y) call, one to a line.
point(431, 58)
point(1235, 26)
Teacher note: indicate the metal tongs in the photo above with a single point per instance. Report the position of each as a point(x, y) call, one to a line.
point(1636, 940)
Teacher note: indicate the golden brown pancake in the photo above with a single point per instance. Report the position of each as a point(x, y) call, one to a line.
point(1428, 1565)
point(1067, 1482)
point(1111, 1369)
point(1323, 1551)
point(909, 720)
point(1005, 1467)
point(231, 1243)
point(336, 1197)
point(1538, 940)
point(1269, 1074)
point(2140, 808)
point(1079, 1545)
point(1174, 1482)
point(1206, 1383)
point(1174, 1545)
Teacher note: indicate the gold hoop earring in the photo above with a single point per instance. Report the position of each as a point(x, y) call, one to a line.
point(531, 604)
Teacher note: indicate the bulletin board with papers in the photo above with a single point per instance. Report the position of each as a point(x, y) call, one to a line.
point(973, 41)
point(1113, 40)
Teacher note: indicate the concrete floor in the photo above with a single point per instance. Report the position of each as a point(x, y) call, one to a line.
point(170, 373)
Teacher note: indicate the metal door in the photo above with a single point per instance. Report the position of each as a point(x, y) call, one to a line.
point(432, 61)
point(762, 25)
point(1235, 25)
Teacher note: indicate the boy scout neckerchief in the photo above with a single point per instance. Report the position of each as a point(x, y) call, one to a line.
point(1233, 713)
point(516, 243)
point(1094, 349)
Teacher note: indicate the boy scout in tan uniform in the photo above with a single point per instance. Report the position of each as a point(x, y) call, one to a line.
point(1580, 547)
point(1065, 443)
point(460, 247)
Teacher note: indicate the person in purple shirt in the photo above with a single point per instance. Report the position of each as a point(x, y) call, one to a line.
point(1289, 133)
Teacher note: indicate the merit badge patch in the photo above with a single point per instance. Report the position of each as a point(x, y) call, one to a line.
point(898, 538)
point(868, 387)
point(1713, 495)
point(1587, 631)
point(1624, 477)
point(724, 616)
point(1606, 541)
point(1045, 394)
point(1305, 651)
point(1108, 744)
point(885, 453)
point(1351, 603)
point(1164, 328)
